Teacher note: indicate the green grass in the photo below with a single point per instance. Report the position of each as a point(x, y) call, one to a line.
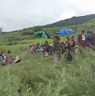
point(42, 40)
point(36, 40)
point(35, 75)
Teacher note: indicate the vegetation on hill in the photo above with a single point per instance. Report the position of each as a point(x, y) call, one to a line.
point(11, 38)
point(87, 26)
point(90, 25)
point(72, 21)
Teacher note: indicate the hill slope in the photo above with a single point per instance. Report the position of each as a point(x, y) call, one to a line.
point(89, 25)
point(72, 21)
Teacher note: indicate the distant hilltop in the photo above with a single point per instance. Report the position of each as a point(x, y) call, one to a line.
point(72, 21)
point(81, 22)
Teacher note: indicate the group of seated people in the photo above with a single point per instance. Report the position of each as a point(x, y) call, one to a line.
point(8, 58)
point(47, 48)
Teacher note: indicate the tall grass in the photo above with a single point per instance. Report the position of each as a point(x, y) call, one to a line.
point(35, 75)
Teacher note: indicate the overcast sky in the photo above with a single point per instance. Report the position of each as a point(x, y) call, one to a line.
point(18, 14)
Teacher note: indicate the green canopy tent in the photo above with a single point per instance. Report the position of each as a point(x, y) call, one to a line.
point(42, 35)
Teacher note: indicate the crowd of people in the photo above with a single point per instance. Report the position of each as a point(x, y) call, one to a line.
point(7, 58)
point(85, 39)
point(65, 48)
point(57, 48)
point(45, 48)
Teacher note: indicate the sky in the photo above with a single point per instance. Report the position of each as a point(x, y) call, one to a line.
point(19, 14)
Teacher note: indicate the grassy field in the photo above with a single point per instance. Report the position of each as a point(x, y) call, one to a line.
point(35, 75)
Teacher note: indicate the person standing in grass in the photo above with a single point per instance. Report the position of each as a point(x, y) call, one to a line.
point(68, 55)
point(72, 44)
point(81, 40)
point(57, 50)
point(90, 40)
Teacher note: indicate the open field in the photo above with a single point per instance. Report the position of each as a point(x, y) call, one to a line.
point(35, 75)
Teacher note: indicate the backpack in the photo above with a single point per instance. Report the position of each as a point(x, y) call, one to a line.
point(1, 58)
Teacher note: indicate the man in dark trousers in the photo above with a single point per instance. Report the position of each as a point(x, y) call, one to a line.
point(68, 50)
point(57, 50)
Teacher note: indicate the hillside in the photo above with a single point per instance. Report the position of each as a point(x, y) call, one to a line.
point(56, 26)
point(89, 25)
point(72, 21)
point(11, 38)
